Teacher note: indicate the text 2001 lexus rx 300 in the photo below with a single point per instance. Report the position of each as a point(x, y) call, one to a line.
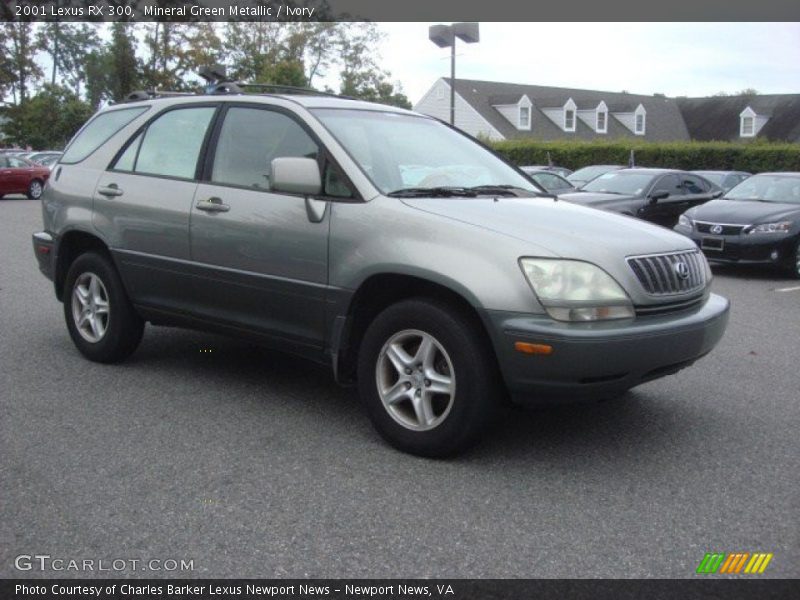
point(394, 248)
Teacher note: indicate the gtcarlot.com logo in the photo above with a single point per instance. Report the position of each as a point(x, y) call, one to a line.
point(45, 562)
point(734, 563)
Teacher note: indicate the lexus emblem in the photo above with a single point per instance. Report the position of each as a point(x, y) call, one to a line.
point(682, 270)
point(716, 229)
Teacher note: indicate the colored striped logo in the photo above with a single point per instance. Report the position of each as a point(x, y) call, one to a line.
point(734, 563)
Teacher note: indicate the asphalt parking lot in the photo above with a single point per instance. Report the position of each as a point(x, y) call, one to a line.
point(253, 464)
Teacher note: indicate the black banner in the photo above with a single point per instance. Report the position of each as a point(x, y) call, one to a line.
point(408, 10)
point(396, 589)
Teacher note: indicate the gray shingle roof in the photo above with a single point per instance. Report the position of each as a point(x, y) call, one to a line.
point(664, 120)
point(717, 117)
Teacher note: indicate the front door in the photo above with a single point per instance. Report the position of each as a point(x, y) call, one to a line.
point(260, 258)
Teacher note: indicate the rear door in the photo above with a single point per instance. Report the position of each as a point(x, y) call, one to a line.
point(260, 256)
point(5, 176)
point(143, 201)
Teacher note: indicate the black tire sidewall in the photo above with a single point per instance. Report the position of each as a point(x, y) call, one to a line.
point(476, 394)
point(125, 327)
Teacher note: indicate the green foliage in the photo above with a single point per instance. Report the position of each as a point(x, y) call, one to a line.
point(46, 121)
point(755, 157)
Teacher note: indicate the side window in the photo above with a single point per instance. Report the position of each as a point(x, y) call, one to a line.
point(335, 185)
point(17, 163)
point(669, 184)
point(172, 143)
point(3, 162)
point(693, 185)
point(99, 131)
point(127, 162)
point(248, 141)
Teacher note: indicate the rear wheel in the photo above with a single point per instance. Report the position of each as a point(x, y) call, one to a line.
point(101, 320)
point(35, 189)
point(427, 378)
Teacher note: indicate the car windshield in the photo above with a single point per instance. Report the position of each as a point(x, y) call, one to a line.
point(407, 152)
point(620, 182)
point(768, 188)
point(588, 173)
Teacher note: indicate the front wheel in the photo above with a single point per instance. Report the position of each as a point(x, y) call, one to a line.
point(101, 320)
point(794, 265)
point(35, 189)
point(427, 378)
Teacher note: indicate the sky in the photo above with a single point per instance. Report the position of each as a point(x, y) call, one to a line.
point(676, 59)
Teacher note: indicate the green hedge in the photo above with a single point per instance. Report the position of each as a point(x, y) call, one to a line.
point(754, 157)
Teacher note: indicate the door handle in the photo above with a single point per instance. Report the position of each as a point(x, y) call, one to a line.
point(213, 205)
point(109, 191)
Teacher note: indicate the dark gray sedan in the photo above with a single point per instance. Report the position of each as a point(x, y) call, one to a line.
point(656, 195)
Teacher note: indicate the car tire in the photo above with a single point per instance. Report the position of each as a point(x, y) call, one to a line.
point(793, 268)
point(100, 318)
point(407, 395)
point(35, 189)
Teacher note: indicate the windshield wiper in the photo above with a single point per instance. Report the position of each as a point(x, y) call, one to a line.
point(432, 192)
point(504, 189)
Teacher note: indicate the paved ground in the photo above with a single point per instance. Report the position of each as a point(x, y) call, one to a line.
point(254, 464)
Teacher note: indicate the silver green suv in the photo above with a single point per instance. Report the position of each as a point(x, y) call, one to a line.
point(409, 257)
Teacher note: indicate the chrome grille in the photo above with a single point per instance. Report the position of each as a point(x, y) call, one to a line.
point(723, 228)
point(658, 273)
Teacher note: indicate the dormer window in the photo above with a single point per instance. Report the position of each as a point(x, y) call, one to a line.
point(747, 123)
point(639, 120)
point(524, 117)
point(569, 120)
point(602, 122)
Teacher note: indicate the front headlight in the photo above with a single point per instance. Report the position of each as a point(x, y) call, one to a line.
point(781, 227)
point(685, 221)
point(573, 290)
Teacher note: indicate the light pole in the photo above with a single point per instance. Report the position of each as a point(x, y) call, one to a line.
point(445, 36)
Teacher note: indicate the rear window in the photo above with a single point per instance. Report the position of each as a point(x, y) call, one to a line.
point(99, 131)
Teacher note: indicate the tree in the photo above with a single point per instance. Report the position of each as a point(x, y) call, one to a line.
point(360, 75)
point(69, 46)
point(124, 67)
point(19, 48)
point(47, 120)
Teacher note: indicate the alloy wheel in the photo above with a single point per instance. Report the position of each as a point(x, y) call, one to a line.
point(416, 381)
point(90, 308)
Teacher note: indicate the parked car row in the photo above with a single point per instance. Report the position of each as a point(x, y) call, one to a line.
point(21, 176)
point(733, 216)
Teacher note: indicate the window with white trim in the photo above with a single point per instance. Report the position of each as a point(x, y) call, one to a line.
point(569, 120)
point(640, 123)
point(524, 117)
point(602, 122)
point(748, 127)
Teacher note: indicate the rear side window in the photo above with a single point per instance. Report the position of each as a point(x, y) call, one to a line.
point(170, 146)
point(250, 138)
point(99, 131)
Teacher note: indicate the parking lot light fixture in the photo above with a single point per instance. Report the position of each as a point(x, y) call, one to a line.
point(445, 36)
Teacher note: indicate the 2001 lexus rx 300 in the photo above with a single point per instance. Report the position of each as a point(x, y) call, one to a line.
point(384, 243)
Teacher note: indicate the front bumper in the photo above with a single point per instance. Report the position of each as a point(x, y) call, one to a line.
point(44, 251)
point(601, 360)
point(768, 248)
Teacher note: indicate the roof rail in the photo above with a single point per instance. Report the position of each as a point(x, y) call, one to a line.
point(140, 95)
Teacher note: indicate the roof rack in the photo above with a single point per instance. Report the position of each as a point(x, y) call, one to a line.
point(219, 83)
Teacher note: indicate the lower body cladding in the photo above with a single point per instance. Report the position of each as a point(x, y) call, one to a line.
point(584, 361)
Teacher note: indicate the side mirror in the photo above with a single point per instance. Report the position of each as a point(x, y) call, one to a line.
point(660, 195)
point(296, 176)
point(717, 194)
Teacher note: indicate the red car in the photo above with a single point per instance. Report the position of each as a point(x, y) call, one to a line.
point(20, 176)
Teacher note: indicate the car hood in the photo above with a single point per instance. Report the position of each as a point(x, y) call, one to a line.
point(743, 212)
point(593, 198)
point(560, 228)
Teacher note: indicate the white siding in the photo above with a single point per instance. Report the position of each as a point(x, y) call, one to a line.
point(556, 115)
point(509, 111)
point(759, 123)
point(467, 118)
point(589, 117)
point(627, 119)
